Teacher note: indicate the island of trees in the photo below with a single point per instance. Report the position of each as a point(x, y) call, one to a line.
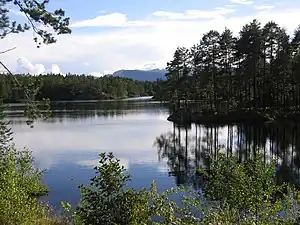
point(252, 76)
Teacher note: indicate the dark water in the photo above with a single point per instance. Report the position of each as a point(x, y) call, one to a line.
point(149, 146)
point(188, 148)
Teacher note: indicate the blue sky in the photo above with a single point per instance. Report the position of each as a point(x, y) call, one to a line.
point(111, 34)
point(135, 9)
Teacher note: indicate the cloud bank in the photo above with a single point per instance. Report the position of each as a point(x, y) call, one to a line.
point(110, 42)
point(26, 67)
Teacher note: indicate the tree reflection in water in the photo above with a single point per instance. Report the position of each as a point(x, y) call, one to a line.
point(188, 148)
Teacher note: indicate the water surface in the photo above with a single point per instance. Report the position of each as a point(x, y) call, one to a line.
point(150, 148)
point(67, 145)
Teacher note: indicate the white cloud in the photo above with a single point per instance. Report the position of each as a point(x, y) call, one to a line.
point(163, 168)
point(106, 72)
point(150, 66)
point(110, 20)
point(194, 14)
point(264, 7)
point(55, 69)
point(95, 162)
point(135, 43)
point(242, 2)
point(96, 74)
point(87, 137)
point(25, 66)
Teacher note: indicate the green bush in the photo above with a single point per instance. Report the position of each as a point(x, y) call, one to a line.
point(247, 193)
point(107, 200)
point(20, 184)
point(236, 193)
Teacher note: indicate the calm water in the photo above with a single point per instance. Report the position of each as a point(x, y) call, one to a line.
point(68, 144)
point(150, 147)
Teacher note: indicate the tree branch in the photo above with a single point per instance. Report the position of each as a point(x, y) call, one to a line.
point(6, 68)
point(8, 50)
point(35, 29)
point(15, 79)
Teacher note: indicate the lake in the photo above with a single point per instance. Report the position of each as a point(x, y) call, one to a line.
point(150, 147)
point(67, 145)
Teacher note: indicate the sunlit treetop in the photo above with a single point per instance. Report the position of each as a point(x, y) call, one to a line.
point(37, 15)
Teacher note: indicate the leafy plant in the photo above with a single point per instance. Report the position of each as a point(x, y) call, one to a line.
point(20, 185)
point(107, 200)
point(20, 182)
point(236, 193)
point(247, 193)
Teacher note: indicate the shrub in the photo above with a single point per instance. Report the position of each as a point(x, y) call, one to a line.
point(107, 200)
point(20, 185)
point(247, 193)
point(236, 193)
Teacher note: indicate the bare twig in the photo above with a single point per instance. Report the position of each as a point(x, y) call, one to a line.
point(14, 77)
point(6, 68)
point(8, 50)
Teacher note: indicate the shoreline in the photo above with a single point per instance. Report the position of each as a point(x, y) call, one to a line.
point(137, 98)
point(185, 117)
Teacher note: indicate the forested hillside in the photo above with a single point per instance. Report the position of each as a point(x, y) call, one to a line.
point(74, 87)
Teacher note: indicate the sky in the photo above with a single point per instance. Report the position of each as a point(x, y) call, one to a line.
point(109, 35)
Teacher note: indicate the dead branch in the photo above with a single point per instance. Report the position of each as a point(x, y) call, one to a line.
point(12, 75)
point(8, 50)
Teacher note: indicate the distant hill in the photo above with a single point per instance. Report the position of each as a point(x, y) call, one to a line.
point(142, 75)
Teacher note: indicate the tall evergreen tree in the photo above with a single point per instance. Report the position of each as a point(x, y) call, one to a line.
point(226, 64)
point(177, 72)
point(210, 50)
point(257, 71)
point(249, 45)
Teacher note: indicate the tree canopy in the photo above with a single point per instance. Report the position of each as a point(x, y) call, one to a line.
point(74, 87)
point(255, 70)
point(36, 14)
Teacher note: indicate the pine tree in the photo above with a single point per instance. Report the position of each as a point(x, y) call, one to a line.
point(257, 71)
point(210, 50)
point(177, 70)
point(226, 63)
point(249, 45)
point(271, 45)
point(36, 13)
point(295, 65)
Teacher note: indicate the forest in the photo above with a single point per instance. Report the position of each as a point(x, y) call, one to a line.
point(73, 87)
point(255, 74)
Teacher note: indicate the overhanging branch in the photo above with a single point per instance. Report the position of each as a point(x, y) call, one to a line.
point(8, 50)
